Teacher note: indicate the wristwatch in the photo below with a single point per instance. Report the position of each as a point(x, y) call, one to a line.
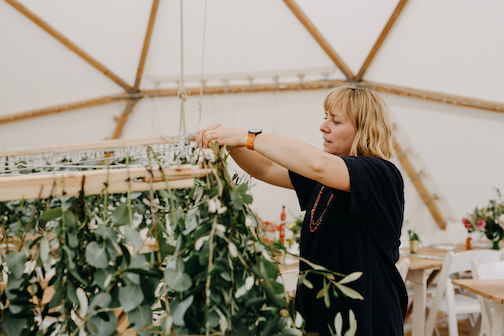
point(252, 132)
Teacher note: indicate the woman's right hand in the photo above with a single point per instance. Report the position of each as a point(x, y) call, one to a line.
point(231, 137)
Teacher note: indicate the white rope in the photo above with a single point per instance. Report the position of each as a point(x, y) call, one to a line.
point(182, 94)
point(202, 66)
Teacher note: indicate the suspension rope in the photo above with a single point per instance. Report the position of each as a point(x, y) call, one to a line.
point(202, 66)
point(182, 94)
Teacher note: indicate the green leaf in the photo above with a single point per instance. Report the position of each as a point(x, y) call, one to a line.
point(105, 323)
point(133, 236)
point(271, 268)
point(16, 262)
point(351, 277)
point(72, 240)
point(177, 281)
point(320, 294)
point(44, 248)
point(163, 193)
point(351, 293)
point(179, 308)
point(51, 214)
point(353, 324)
point(71, 293)
point(83, 302)
point(247, 199)
point(130, 296)
point(70, 220)
point(13, 326)
point(101, 299)
point(96, 255)
point(141, 317)
point(120, 216)
point(327, 300)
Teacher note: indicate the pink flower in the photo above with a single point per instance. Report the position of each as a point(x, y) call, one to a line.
point(466, 223)
point(480, 224)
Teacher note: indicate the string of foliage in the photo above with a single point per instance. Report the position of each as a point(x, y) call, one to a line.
point(208, 272)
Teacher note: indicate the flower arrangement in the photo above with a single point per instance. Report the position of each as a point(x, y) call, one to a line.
point(489, 220)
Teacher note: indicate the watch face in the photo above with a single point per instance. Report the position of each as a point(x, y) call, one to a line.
point(255, 130)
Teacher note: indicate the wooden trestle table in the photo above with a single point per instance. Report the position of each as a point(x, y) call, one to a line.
point(490, 289)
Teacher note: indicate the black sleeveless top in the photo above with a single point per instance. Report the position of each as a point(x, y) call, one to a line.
point(360, 231)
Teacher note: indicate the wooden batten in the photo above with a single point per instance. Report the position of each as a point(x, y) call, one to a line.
point(60, 108)
point(436, 96)
point(380, 40)
point(320, 39)
point(428, 199)
point(145, 48)
point(17, 187)
point(124, 117)
point(42, 24)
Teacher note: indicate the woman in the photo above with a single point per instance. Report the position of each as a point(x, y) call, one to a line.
point(354, 199)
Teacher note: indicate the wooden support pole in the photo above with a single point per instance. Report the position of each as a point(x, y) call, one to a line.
point(69, 44)
point(146, 44)
point(419, 186)
point(320, 39)
point(225, 89)
point(60, 108)
point(17, 187)
point(382, 37)
point(124, 117)
point(436, 96)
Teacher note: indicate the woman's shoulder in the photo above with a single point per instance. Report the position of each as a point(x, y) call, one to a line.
point(369, 161)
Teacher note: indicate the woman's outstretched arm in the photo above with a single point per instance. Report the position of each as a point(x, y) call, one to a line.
point(287, 153)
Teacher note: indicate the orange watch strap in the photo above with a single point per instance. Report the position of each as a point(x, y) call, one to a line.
point(250, 140)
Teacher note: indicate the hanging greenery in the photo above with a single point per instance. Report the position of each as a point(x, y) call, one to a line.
point(206, 272)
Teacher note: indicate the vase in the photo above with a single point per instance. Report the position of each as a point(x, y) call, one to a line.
point(495, 245)
point(413, 246)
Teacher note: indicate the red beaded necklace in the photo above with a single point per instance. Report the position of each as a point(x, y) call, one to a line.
point(314, 225)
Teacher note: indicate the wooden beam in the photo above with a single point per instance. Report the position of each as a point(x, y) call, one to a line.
point(124, 117)
point(60, 108)
point(382, 37)
point(428, 199)
point(17, 187)
point(436, 96)
point(224, 89)
point(69, 44)
point(146, 44)
point(316, 85)
point(320, 39)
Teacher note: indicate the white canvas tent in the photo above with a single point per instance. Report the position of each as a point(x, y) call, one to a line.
point(92, 70)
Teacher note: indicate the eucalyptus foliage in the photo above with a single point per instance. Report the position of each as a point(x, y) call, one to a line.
point(208, 272)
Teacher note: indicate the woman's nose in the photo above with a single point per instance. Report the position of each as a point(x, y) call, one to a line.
point(323, 127)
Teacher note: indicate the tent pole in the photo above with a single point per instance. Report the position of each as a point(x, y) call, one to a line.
point(381, 38)
point(42, 24)
point(320, 39)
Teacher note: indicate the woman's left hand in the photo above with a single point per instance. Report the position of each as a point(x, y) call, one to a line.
point(231, 137)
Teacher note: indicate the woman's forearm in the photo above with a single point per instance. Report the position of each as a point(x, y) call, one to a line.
point(304, 159)
point(260, 167)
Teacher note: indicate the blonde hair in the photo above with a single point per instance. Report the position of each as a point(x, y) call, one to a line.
point(369, 114)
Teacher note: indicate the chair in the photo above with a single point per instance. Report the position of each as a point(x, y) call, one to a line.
point(446, 300)
point(494, 270)
point(403, 267)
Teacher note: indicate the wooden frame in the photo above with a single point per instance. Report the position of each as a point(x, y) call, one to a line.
point(95, 145)
point(95, 182)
